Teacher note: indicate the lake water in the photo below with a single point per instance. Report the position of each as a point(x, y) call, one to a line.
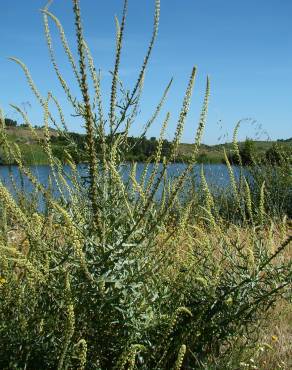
point(216, 174)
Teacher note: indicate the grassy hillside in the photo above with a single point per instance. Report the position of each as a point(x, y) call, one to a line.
point(31, 150)
point(34, 154)
point(215, 153)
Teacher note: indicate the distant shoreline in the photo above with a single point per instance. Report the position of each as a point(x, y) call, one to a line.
point(142, 150)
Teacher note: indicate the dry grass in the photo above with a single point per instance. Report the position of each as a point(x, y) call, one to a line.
point(276, 338)
point(273, 351)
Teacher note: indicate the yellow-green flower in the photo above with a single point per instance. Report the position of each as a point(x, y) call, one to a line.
point(2, 281)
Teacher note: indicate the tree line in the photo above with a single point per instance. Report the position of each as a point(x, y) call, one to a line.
point(142, 149)
point(249, 154)
point(139, 149)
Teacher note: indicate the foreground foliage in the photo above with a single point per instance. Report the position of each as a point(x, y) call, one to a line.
point(118, 272)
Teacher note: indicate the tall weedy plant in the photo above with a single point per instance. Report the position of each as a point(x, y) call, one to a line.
point(108, 275)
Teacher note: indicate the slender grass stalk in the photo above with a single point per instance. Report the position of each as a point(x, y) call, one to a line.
point(88, 116)
point(119, 41)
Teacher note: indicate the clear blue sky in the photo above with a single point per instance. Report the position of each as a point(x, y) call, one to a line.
point(245, 47)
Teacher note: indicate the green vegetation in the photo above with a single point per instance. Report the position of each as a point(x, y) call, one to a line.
point(141, 149)
point(109, 277)
point(30, 141)
point(250, 151)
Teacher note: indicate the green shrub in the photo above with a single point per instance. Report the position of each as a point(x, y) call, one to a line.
point(107, 277)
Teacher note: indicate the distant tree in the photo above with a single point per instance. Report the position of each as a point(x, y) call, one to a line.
point(277, 154)
point(247, 153)
point(285, 140)
point(202, 157)
point(10, 122)
point(166, 148)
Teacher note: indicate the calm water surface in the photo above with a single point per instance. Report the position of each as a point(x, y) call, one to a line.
point(216, 174)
